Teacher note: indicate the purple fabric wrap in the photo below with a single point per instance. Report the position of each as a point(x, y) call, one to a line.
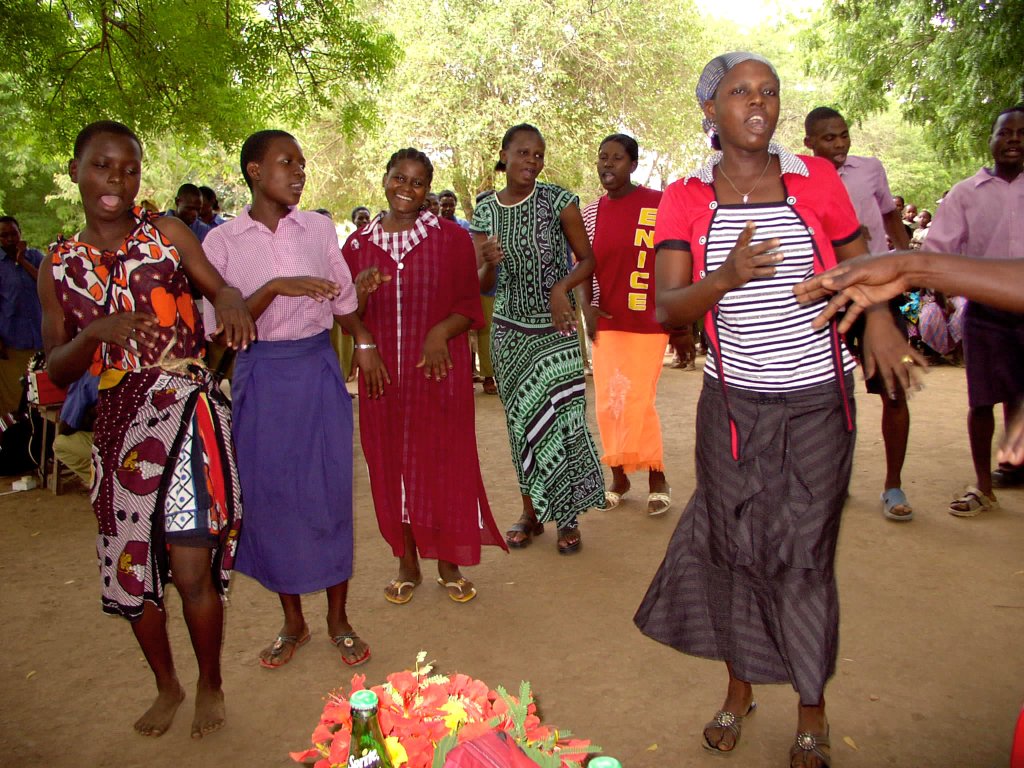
point(293, 438)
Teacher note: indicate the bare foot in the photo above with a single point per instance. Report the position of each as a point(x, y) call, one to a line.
point(210, 713)
point(158, 718)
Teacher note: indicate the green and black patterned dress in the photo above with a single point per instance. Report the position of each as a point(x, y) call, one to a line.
point(538, 370)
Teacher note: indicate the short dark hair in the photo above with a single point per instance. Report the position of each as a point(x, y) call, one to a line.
point(447, 193)
point(628, 143)
point(187, 189)
point(411, 153)
point(324, 212)
point(208, 194)
point(92, 130)
point(359, 208)
point(511, 134)
point(254, 149)
point(818, 114)
point(1014, 108)
point(10, 220)
point(900, 198)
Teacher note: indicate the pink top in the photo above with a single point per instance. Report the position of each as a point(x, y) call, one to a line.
point(982, 216)
point(247, 255)
point(868, 187)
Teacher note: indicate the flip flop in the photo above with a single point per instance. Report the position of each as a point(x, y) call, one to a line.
point(283, 648)
point(461, 591)
point(893, 498)
point(395, 591)
point(730, 722)
point(662, 502)
point(347, 641)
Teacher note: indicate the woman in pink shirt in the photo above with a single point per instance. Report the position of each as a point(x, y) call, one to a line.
point(292, 414)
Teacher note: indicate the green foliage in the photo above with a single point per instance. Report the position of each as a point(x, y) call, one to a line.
point(951, 65)
point(576, 69)
point(198, 69)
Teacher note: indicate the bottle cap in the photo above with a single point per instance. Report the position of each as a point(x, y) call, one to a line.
point(363, 700)
point(604, 762)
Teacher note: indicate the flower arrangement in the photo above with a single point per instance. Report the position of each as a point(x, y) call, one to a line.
point(423, 716)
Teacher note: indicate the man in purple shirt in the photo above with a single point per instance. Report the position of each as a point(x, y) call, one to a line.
point(828, 136)
point(983, 217)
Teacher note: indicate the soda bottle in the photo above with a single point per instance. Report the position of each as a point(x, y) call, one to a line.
point(366, 748)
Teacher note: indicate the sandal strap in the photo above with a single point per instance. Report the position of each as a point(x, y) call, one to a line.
point(812, 744)
point(348, 640)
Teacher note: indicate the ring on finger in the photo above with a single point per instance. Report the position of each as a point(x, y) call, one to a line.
point(908, 360)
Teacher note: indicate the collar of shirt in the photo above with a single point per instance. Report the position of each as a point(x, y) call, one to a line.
point(248, 222)
point(852, 161)
point(789, 163)
point(987, 174)
point(397, 244)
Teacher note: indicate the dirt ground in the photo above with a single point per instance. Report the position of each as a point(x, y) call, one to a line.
point(930, 673)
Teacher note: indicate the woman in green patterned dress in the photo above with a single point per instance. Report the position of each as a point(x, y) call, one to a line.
point(528, 227)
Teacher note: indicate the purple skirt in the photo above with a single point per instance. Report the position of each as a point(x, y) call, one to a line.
point(292, 424)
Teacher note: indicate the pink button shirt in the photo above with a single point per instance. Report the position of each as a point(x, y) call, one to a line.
point(248, 255)
point(982, 216)
point(868, 187)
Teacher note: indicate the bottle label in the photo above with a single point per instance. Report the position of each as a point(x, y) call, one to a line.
point(368, 760)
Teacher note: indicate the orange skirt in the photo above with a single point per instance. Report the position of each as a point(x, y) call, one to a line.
point(627, 367)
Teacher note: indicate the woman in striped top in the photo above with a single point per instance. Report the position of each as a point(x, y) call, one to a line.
point(748, 577)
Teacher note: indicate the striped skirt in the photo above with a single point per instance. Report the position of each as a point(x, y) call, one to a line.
point(539, 373)
point(748, 577)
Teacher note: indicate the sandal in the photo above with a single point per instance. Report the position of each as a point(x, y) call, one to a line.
point(396, 591)
point(569, 539)
point(732, 723)
point(461, 591)
point(282, 649)
point(347, 642)
point(809, 745)
point(490, 386)
point(529, 528)
point(659, 503)
point(612, 499)
point(972, 503)
point(895, 506)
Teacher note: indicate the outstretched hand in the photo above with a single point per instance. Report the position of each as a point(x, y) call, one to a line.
point(857, 284)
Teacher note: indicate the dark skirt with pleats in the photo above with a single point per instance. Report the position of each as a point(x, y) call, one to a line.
point(748, 577)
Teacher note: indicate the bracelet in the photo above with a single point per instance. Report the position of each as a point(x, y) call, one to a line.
point(366, 346)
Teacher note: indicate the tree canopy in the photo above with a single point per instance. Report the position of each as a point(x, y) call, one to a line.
point(201, 70)
point(951, 65)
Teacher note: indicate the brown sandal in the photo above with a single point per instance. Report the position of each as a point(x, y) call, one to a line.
point(529, 528)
